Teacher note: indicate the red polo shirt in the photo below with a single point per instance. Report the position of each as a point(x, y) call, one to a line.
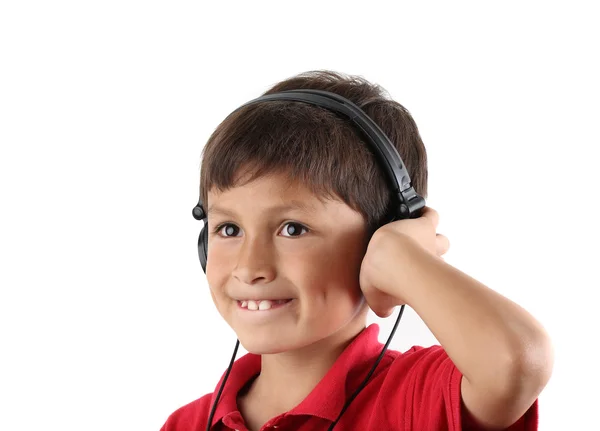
point(416, 390)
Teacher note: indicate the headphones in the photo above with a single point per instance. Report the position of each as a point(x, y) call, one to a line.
point(406, 203)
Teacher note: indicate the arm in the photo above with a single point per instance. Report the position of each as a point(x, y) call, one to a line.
point(504, 354)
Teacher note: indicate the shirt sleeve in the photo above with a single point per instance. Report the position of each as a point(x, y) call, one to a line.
point(436, 392)
point(527, 422)
point(433, 383)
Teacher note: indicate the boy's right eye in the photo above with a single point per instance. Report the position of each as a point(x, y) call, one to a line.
point(230, 229)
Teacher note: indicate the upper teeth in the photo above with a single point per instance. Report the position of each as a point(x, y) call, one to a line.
point(264, 304)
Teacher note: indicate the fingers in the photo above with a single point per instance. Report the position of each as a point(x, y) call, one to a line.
point(384, 313)
point(381, 303)
point(442, 244)
point(432, 215)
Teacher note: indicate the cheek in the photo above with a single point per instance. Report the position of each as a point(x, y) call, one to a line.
point(330, 276)
point(216, 265)
point(217, 275)
point(341, 263)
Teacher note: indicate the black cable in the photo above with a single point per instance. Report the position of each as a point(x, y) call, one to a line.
point(354, 395)
point(214, 407)
point(364, 383)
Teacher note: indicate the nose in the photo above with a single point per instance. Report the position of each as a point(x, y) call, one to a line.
point(254, 262)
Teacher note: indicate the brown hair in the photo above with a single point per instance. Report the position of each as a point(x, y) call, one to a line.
point(315, 146)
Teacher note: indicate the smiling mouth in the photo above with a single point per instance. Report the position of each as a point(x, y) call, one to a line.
point(262, 305)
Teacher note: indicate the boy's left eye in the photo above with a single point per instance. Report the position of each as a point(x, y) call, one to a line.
point(296, 227)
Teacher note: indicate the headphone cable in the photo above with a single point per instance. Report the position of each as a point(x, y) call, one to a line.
point(362, 385)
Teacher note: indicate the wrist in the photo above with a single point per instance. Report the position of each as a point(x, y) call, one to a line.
point(412, 266)
point(397, 269)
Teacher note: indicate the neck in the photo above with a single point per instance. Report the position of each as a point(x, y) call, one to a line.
point(287, 378)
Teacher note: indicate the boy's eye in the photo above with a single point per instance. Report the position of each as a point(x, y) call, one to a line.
point(290, 229)
point(295, 229)
point(230, 229)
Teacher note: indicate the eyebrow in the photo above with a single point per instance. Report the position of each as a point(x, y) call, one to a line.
point(292, 205)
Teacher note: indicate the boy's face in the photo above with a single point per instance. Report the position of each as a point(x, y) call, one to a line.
point(312, 257)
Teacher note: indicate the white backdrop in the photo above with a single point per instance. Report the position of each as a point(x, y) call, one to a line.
point(106, 321)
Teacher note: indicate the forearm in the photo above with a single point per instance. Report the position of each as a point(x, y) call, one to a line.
point(490, 339)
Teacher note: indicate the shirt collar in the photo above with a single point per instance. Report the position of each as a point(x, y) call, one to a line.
point(327, 399)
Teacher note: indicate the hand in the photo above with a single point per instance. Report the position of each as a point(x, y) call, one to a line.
point(384, 255)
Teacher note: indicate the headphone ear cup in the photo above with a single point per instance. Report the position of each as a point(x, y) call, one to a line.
point(203, 247)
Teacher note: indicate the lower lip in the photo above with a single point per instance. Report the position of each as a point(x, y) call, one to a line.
point(274, 311)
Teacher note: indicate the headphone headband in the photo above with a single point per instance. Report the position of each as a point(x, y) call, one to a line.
point(409, 202)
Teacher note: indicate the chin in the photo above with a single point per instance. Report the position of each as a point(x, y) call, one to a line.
point(269, 341)
point(259, 347)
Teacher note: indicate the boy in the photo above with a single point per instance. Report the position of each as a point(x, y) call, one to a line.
point(300, 249)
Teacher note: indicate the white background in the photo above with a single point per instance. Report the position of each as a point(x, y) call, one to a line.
point(106, 321)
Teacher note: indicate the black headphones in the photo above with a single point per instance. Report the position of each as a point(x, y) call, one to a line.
point(405, 201)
